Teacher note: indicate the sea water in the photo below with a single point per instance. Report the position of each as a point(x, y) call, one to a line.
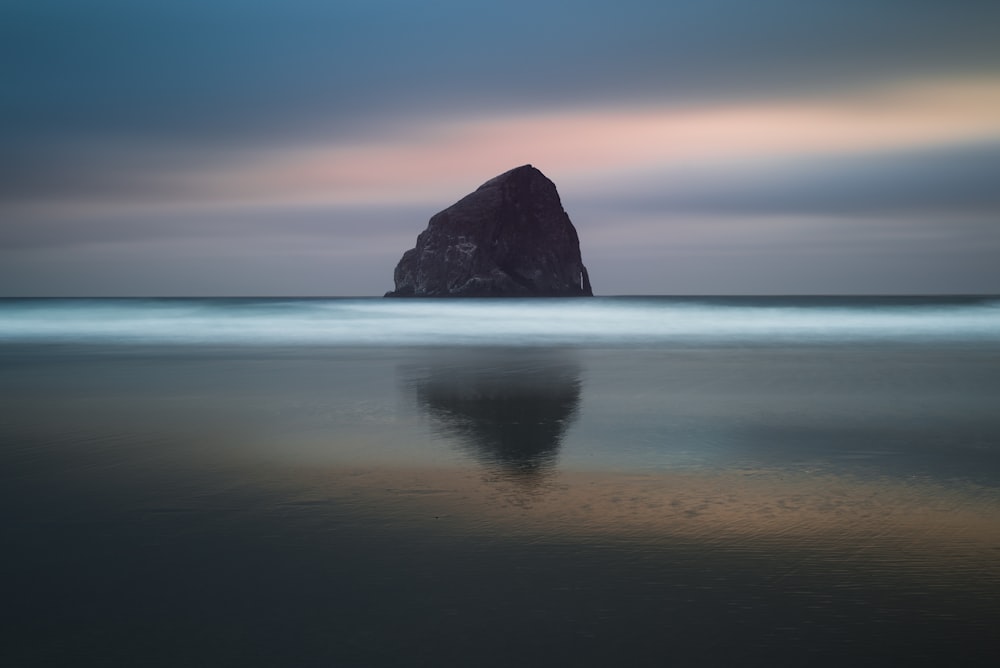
point(630, 481)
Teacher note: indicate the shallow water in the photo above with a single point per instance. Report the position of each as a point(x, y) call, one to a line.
point(632, 481)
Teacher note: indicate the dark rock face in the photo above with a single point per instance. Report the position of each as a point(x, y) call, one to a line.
point(509, 238)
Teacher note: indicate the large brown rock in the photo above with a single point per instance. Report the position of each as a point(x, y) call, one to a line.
point(509, 238)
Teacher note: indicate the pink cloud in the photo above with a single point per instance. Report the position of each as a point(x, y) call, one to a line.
point(435, 160)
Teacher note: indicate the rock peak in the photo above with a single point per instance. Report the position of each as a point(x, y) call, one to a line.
point(524, 171)
point(508, 238)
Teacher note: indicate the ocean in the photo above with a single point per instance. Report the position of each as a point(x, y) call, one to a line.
point(640, 481)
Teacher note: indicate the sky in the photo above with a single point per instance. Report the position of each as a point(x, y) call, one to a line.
point(297, 147)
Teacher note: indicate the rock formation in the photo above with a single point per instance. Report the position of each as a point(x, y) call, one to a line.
point(509, 238)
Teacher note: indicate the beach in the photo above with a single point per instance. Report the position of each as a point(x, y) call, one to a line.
point(634, 482)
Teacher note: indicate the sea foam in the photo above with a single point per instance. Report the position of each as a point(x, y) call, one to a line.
point(606, 321)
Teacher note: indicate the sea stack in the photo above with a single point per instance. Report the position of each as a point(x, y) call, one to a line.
point(509, 238)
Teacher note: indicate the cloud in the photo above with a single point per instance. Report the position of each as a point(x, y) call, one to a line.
point(952, 181)
point(187, 267)
point(242, 252)
point(266, 72)
point(582, 148)
point(138, 136)
point(790, 254)
point(325, 230)
point(359, 101)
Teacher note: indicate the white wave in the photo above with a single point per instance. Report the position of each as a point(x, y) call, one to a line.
point(598, 321)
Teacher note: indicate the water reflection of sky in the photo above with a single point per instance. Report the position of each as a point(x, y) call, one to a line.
point(906, 528)
point(761, 503)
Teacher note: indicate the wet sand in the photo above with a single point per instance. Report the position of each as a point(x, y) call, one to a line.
point(915, 527)
point(506, 506)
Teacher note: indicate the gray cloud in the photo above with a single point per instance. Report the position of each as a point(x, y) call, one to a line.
point(954, 180)
point(108, 95)
point(181, 80)
point(192, 268)
point(262, 252)
point(259, 70)
point(320, 229)
point(798, 256)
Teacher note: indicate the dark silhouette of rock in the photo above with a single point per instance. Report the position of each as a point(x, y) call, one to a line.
point(510, 413)
point(509, 238)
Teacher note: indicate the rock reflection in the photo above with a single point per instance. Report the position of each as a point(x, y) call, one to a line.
point(509, 409)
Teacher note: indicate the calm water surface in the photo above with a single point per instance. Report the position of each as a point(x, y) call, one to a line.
point(616, 481)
